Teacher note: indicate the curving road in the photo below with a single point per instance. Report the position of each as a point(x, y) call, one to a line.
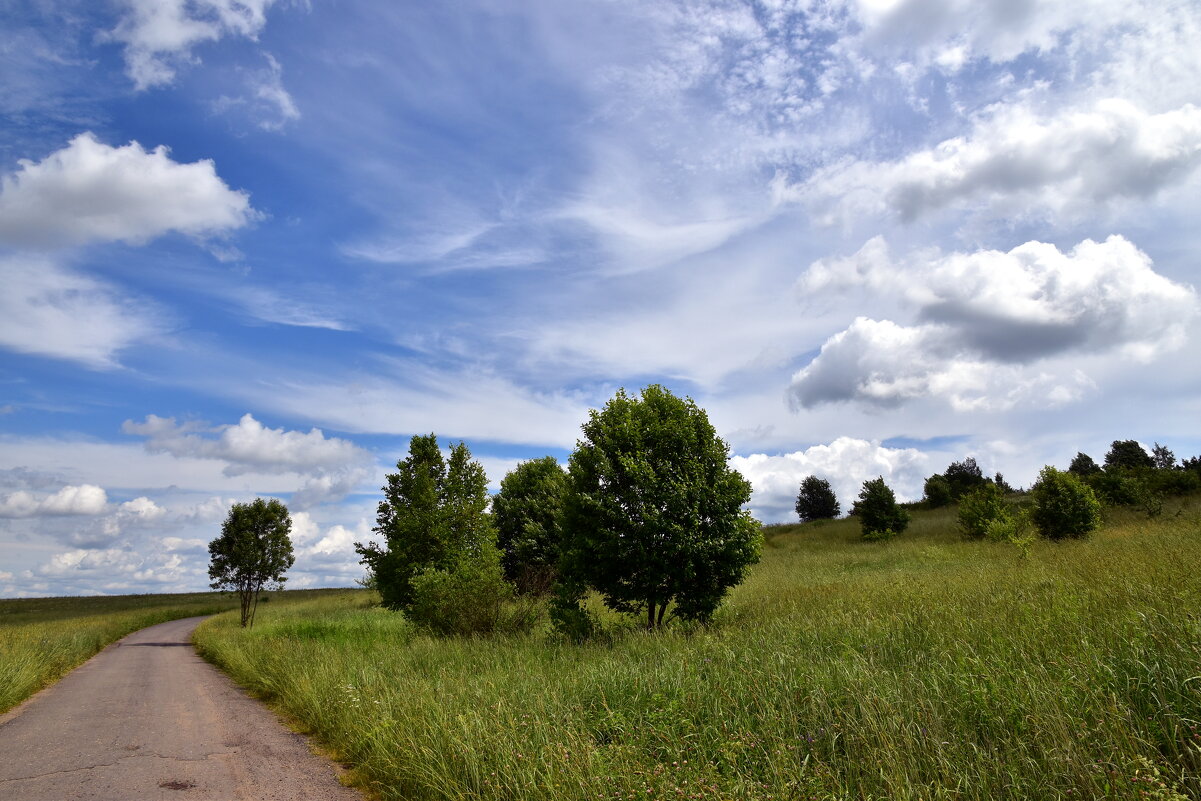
point(147, 718)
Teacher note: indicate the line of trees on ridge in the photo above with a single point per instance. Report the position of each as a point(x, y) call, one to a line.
point(1061, 504)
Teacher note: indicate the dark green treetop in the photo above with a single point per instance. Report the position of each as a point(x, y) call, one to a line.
point(526, 512)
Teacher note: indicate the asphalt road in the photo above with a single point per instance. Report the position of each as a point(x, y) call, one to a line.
point(147, 718)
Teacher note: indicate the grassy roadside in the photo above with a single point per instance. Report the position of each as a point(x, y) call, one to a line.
point(928, 667)
point(43, 639)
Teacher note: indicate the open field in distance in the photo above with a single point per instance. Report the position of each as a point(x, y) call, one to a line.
point(42, 639)
point(926, 667)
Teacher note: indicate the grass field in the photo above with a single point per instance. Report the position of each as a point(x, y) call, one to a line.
point(42, 639)
point(928, 667)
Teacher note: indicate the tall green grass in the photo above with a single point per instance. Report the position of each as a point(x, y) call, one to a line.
point(924, 668)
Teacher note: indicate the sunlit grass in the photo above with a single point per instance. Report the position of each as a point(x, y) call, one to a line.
point(926, 667)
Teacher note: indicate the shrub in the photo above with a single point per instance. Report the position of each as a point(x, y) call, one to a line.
point(982, 508)
point(816, 501)
point(936, 492)
point(469, 597)
point(879, 515)
point(1064, 506)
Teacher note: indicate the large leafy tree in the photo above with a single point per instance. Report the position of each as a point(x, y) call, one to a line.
point(526, 512)
point(653, 515)
point(816, 500)
point(253, 551)
point(433, 513)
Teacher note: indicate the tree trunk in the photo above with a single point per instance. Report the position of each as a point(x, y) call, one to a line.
point(659, 619)
point(650, 616)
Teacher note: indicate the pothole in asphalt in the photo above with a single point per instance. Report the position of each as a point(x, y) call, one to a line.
point(177, 785)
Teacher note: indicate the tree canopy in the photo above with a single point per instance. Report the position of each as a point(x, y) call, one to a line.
point(254, 549)
point(879, 515)
point(1127, 454)
point(433, 512)
point(653, 515)
point(526, 514)
point(816, 500)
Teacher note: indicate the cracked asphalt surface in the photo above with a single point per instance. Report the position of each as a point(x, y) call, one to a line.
point(147, 718)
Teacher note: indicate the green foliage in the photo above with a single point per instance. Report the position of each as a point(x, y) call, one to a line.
point(963, 477)
point(936, 492)
point(654, 512)
point(1127, 454)
point(982, 508)
point(526, 512)
point(1163, 457)
point(469, 597)
point(432, 514)
point(1064, 506)
point(1083, 465)
point(254, 550)
point(879, 515)
point(816, 500)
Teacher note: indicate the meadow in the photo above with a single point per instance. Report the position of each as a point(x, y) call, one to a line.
point(43, 639)
point(928, 667)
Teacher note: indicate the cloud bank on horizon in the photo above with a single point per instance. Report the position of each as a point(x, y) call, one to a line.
point(251, 247)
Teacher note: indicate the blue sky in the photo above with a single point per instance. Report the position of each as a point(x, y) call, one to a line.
point(251, 247)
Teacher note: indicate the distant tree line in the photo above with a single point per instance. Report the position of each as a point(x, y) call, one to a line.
point(1061, 504)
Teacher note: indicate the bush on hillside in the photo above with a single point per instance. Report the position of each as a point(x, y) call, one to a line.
point(816, 500)
point(936, 492)
point(1064, 506)
point(982, 508)
point(879, 515)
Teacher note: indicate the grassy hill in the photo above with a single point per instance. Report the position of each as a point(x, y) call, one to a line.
point(926, 667)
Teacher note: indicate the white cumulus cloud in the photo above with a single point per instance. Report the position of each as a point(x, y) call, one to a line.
point(85, 499)
point(1014, 160)
point(334, 466)
point(93, 192)
point(984, 317)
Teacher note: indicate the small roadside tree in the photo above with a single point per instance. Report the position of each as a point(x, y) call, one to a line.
point(816, 500)
point(879, 515)
point(526, 513)
point(253, 551)
point(433, 513)
point(1064, 506)
point(653, 514)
